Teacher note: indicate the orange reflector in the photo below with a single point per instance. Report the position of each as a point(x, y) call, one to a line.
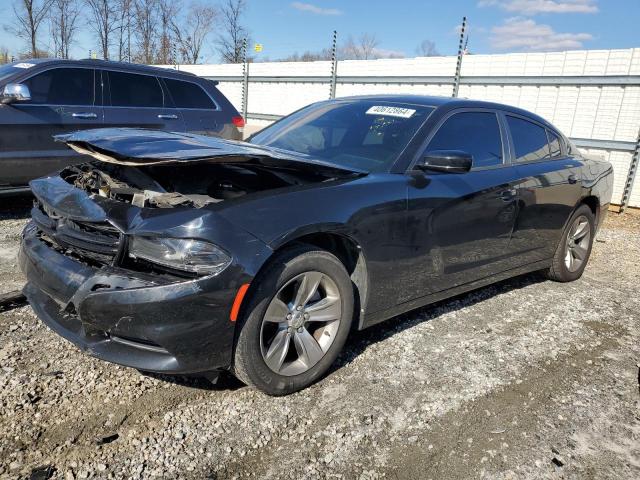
point(235, 309)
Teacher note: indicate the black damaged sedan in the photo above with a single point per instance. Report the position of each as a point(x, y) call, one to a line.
point(185, 254)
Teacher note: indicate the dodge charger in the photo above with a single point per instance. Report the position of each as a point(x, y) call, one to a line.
point(184, 254)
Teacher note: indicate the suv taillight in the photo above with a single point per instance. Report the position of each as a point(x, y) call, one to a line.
point(238, 121)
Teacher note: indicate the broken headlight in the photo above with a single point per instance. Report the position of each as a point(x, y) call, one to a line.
point(189, 255)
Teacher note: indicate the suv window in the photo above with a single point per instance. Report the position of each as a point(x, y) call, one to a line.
point(62, 86)
point(131, 90)
point(188, 95)
point(554, 144)
point(530, 140)
point(477, 133)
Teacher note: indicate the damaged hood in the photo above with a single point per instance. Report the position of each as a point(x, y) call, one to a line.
point(139, 147)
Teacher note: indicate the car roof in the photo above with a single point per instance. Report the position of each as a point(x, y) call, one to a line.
point(89, 62)
point(449, 103)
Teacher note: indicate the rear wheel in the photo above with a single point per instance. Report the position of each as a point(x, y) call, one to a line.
point(574, 249)
point(296, 321)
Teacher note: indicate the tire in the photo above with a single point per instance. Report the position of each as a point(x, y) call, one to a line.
point(262, 358)
point(566, 269)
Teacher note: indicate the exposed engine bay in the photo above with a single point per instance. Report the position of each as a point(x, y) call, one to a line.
point(174, 185)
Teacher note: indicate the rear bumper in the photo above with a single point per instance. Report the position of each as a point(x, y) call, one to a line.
point(152, 323)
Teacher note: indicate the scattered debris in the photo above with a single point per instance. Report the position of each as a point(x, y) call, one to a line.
point(44, 472)
point(107, 439)
point(11, 300)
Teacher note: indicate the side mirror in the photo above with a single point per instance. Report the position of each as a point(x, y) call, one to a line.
point(15, 92)
point(446, 161)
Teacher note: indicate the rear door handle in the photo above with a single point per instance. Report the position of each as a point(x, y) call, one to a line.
point(86, 115)
point(508, 195)
point(163, 116)
point(573, 179)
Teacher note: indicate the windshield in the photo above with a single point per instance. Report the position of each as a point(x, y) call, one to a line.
point(7, 70)
point(368, 135)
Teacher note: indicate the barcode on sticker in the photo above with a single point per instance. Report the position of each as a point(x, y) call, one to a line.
point(391, 111)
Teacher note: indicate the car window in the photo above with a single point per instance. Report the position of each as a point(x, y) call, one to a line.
point(132, 90)
point(477, 133)
point(554, 144)
point(368, 135)
point(188, 95)
point(529, 140)
point(62, 86)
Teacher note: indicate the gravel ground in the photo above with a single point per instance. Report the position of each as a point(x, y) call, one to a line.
point(524, 379)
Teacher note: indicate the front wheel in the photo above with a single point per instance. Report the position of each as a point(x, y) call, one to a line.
point(574, 249)
point(296, 321)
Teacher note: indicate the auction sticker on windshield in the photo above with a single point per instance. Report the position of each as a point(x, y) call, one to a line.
point(391, 111)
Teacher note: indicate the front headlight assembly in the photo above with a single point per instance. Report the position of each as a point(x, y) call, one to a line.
point(188, 255)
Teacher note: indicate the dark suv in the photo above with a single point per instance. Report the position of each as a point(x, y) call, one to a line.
point(42, 98)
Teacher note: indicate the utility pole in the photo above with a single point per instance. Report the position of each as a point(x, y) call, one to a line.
point(334, 65)
point(456, 80)
point(245, 83)
point(631, 176)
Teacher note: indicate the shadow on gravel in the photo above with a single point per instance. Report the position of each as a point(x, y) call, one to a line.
point(15, 207)
point(225, 381)
point(359, 341)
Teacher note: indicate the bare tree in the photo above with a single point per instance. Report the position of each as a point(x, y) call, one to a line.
point(4, 55)
point(232, 32)
point(103, 20)
point(145, 22)
point(364, 48)
point(168, 11)
point(125, 21)
point(63, 23)
point(307, 56)
point(29, 15)
point(194, 31)
point(427, 48)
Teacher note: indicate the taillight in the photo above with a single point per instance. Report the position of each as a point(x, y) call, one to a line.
point(238, 121)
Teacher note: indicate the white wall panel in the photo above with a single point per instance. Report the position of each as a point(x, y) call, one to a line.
point(605, 112)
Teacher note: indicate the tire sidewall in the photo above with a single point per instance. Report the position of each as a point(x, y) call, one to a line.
point(281, 271)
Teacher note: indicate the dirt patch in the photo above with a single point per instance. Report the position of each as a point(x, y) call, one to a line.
point(523, 379)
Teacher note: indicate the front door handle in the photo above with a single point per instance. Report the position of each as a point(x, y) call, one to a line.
point(85, 115)
point(163, 116)
point(573, 179)
point(508, 195)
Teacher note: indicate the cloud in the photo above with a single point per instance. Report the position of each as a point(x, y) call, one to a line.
point(308, 7)
point(533, 7)
point(386, 53)
point(522, 34)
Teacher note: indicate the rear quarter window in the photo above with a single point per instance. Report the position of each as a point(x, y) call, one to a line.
point(189, 95)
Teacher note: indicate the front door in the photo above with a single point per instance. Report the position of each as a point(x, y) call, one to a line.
point(460, 225)
point(62, 100)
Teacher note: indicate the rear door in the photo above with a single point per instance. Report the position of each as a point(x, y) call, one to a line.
point(202, 115)
point(460, 225)
point(138, 100)
point(549, 184)
point(63, 100)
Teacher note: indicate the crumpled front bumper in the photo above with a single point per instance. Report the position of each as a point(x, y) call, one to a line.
point(148, 322)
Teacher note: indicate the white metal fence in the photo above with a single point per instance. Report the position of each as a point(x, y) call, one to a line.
point(593, 96)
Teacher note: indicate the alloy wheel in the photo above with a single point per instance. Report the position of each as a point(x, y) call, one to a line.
point(300, 323)
point(578, 241)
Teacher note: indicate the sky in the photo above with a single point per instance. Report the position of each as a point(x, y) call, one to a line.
point(495, 26)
